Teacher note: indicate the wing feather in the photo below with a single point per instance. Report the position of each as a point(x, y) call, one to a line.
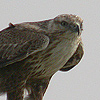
point(16, 45)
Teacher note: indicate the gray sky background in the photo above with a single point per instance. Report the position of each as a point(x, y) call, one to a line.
point(83, 82)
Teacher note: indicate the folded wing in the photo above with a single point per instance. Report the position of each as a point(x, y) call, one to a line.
point(16, 44)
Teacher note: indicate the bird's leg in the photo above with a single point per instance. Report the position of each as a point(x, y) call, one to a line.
point(36, 94)
point(15, 94)
point(37, 90)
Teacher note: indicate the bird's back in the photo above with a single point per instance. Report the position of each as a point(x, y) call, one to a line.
point(15, 34)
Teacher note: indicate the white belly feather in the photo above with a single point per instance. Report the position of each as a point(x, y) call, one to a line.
point(59, 56)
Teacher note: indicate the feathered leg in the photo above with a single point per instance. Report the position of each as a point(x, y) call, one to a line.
point(15, 95)
point(36, 89)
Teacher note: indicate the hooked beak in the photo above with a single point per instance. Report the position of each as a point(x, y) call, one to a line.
point(79, 29)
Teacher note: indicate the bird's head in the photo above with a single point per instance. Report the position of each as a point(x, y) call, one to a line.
point(66, 25)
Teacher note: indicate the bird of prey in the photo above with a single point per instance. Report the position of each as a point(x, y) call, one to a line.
point(32, 52)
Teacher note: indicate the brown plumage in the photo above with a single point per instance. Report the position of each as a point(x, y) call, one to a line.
point(31, 52)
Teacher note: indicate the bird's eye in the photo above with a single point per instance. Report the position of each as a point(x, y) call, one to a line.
point(63, 23)
point(74, 26)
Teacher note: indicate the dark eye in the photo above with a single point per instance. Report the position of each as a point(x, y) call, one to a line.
point(63, 23)
point(74, 26)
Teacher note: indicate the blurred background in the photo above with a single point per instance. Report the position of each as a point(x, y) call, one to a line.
point(82, 82)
